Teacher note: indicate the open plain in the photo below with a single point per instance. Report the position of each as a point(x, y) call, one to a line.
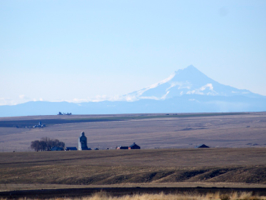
point(168, 157)
point(237, 165)
point(121, 172)
point(150, 131)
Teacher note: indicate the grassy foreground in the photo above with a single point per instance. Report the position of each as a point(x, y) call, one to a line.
point(162, 196)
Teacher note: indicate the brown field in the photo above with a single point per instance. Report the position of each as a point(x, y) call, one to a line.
point(167, 158)
point(155, 167)
point(147, 130)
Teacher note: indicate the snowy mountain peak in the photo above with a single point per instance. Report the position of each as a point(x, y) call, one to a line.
point(187, 81)
point(188, 68)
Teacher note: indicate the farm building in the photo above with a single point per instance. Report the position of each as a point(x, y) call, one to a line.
point(82, 142)
point(133, 146)
point(71, 149)
point(202, 146)
point(122, 147)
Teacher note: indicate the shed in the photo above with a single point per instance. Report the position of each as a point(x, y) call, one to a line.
point(71, 149)
point(122, 147)
point(134, 146)
point(202, 146)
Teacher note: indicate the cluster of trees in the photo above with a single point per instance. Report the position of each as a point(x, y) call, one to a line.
point(45, 144)
point(60, 113)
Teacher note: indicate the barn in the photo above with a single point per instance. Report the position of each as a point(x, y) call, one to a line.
point(134, 146)
point(202, 146)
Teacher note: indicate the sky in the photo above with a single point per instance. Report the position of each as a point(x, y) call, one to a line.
point(94, 50)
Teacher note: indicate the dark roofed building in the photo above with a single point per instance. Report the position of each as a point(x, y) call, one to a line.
point(71, 149)
point(122, 147)
point(202, 146)
point(134, 146)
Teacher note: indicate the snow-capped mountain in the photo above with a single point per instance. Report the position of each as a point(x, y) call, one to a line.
point(187, 90)
point(188, 81)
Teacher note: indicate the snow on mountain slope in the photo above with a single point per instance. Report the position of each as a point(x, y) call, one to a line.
point(188, 81)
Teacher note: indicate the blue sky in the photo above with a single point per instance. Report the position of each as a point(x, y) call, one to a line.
point(82, 50)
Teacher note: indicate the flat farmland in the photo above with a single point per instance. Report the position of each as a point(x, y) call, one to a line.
point(150, 131)
point(156, 168)
point(168, 156)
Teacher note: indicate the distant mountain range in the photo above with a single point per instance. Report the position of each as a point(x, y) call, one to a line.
point(187, 90)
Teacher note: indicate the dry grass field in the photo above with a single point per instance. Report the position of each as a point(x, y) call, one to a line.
point(147, 130)
point(167, 158)
point(238, 165)
point(162, 196)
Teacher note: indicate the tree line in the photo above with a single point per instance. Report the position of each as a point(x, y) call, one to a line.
point(46, 144)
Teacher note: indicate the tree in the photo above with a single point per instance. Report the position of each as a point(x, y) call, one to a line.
point(46, 144)
point(35, 145)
